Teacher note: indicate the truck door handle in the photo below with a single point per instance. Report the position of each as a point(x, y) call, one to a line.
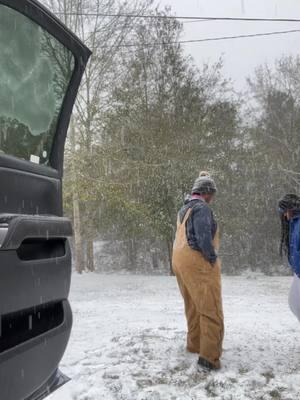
point(16, 229)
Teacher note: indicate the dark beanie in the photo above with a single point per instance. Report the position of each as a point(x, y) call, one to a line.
point(289, 202)
point(204, 184)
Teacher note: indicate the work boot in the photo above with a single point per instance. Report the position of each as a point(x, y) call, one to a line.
point(206, 365)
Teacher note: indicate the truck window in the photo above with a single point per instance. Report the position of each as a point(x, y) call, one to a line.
point(35, 71)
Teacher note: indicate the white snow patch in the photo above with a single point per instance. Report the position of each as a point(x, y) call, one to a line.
point(128, 341)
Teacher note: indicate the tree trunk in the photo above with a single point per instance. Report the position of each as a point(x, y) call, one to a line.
point(79, 259)
point(131, 255)
point(154, 257)
point(90, 255)
point(170, 248)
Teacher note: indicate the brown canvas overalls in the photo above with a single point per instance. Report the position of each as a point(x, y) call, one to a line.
point(200, 286)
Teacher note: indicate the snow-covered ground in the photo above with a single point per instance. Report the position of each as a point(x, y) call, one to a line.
point(128, 341)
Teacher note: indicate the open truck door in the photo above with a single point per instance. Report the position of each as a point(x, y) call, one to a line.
point(41, 66)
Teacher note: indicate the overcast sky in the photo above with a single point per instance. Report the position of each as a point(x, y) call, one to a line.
point(240, 56)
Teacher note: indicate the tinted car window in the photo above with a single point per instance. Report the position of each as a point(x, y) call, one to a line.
point(35, 70)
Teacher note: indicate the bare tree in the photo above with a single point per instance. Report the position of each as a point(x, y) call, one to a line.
point(104, 36)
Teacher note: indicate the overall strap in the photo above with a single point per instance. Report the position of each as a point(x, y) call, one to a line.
point(187, 214)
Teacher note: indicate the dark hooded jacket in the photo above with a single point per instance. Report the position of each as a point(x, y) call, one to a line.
point(201, 227)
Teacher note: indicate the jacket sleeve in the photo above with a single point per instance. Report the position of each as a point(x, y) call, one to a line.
point(295, 247)
point(202, 226)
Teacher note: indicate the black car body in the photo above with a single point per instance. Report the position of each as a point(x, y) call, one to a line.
point(41, 66)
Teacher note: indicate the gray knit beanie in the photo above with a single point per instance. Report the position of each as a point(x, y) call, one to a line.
point(204, 184)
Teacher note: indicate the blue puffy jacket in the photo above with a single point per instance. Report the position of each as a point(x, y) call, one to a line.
point(294, 253)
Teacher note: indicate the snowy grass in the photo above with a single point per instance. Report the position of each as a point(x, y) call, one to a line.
point(128, 341)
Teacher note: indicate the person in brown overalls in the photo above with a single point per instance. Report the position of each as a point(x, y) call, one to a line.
point(198, 272)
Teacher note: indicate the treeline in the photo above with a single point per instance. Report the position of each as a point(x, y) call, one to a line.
point(147, 120)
